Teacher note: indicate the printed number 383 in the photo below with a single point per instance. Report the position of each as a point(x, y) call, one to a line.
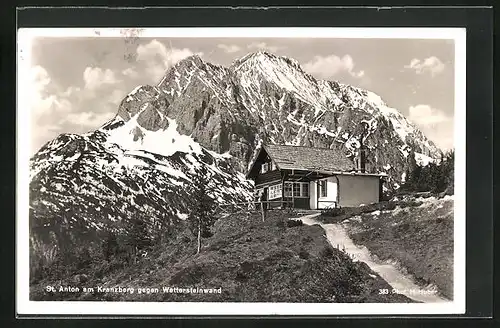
point(383, 291)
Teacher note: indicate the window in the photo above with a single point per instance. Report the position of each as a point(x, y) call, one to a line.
point(297, 189)
point(305, 189)
point(265, 167)
point(322, 188)
point(275, 191)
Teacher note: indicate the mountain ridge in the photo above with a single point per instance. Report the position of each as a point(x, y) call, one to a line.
point(261, 95)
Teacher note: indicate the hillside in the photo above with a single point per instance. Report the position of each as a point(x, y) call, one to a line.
point(84, 186)
point(248, 259)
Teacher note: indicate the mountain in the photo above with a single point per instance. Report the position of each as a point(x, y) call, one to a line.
point(262, 96)
point(82, 186)
point(201, 114)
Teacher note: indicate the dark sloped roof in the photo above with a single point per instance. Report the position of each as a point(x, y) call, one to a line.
point(310, 159)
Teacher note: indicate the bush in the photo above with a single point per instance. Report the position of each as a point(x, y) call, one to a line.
point(294, 223)
point(333, 211)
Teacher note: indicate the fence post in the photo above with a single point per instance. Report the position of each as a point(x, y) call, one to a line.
point(262, 211)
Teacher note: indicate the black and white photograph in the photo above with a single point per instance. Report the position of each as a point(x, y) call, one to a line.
point(241, 170)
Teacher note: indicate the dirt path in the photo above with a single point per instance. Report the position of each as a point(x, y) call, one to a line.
point(336, 235)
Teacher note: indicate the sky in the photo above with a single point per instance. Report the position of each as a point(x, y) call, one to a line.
point(77, 83)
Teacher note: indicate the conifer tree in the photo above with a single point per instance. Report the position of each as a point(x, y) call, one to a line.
point(434, 177)
point(202, 208)
point(137, 234)
point(450, 172)
point(110, 245)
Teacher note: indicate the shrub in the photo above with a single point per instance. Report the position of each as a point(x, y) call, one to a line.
point(332, 211)
point(294, 223)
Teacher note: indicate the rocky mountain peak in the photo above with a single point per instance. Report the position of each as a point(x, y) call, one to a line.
point(265, 61)
point(263, 96)
point(193, 61)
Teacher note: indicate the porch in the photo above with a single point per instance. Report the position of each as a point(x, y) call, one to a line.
point(299, 189)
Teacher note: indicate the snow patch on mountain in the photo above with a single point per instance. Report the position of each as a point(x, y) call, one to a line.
point(322, 97)
point(423, 160)
point(87, 180)
point(163, 142)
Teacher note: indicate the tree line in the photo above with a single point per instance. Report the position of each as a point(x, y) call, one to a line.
point(435, 177)
point(201, 217)
point(137, 236)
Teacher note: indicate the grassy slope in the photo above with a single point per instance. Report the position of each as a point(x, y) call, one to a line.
point(250, 260)
point(417, 235)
